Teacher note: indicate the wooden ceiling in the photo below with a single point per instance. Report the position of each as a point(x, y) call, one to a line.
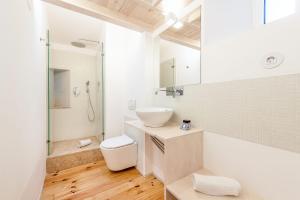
point(189, 34)
point(140, 15)
point(135, 10)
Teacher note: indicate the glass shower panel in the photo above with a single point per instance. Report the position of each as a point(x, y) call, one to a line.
point(49, 95)
point(100, 91)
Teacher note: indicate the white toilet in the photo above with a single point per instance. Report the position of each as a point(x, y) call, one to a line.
point(119, 152)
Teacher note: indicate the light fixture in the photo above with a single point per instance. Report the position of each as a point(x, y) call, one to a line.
point(178, 25)
point(171, 22)
point(172, 19)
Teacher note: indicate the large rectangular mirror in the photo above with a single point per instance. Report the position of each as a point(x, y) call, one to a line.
point(179, 57)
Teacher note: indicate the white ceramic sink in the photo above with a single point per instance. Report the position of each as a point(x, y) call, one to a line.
point(154, 116)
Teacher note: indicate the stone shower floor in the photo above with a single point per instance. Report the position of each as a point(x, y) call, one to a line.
point(71, 146)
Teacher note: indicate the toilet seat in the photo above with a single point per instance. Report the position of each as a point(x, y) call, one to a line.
point(117, 142)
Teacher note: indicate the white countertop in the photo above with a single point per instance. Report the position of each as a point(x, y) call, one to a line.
point(170, 130)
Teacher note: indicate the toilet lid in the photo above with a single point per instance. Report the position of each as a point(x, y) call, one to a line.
point(117, 142)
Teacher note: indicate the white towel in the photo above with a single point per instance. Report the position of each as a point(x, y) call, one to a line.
point(83, 143)
point(216, 185)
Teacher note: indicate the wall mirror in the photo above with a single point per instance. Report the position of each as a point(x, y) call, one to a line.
point(179, 52)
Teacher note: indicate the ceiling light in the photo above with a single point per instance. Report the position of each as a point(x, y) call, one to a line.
point(178, 25)
point(170, 22)
point(171, 19)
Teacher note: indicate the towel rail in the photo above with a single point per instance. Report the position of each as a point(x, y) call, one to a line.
point(160, 145)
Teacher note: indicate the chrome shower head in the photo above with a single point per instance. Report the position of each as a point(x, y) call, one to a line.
point(78, 44)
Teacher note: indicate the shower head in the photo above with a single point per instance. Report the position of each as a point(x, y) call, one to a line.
point(78, 44)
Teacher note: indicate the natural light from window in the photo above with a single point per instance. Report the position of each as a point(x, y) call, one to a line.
point(277, 9)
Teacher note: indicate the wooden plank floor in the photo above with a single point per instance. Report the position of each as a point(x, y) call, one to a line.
point(95, 182)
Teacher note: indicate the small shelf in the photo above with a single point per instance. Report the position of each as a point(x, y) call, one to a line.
point(59, 88)
point(183, 189)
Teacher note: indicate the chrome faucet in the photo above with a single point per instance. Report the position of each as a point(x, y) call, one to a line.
point(172, 91)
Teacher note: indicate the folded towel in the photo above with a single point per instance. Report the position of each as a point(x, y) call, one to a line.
point(83, 143)
point(216, 185)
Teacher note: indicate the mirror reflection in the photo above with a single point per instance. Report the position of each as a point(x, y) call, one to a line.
point(180, 52)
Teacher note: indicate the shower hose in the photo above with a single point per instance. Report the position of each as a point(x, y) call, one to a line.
point(90, 109)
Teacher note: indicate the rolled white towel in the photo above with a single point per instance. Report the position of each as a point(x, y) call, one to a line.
point(83, 143)
point(216, 185)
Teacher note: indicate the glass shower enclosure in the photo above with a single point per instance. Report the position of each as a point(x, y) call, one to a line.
point(75, 97)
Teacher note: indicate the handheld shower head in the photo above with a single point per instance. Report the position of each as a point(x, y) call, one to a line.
point(87, 86)
point(91, 116)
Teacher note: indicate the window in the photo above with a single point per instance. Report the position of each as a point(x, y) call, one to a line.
point(277, 9)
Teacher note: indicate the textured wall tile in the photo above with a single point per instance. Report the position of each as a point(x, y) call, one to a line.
point(264, 110)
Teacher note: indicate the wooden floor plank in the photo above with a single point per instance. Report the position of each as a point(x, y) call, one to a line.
point(94, 181)
point(70, 172)
point(151, 189)
point(112, 192)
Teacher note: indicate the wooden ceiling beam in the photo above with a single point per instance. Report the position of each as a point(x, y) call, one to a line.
point(194, 16)
point(95, 10)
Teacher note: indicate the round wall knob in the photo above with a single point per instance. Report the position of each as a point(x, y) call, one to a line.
point(272, 60)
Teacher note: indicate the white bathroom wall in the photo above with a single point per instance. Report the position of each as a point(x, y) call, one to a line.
point(114, 81)
point(184, 56)
point(240, 57)
point(233, 50)
point(226, 19)
point(126, 69)
point(23, 100)
point(72, 122)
